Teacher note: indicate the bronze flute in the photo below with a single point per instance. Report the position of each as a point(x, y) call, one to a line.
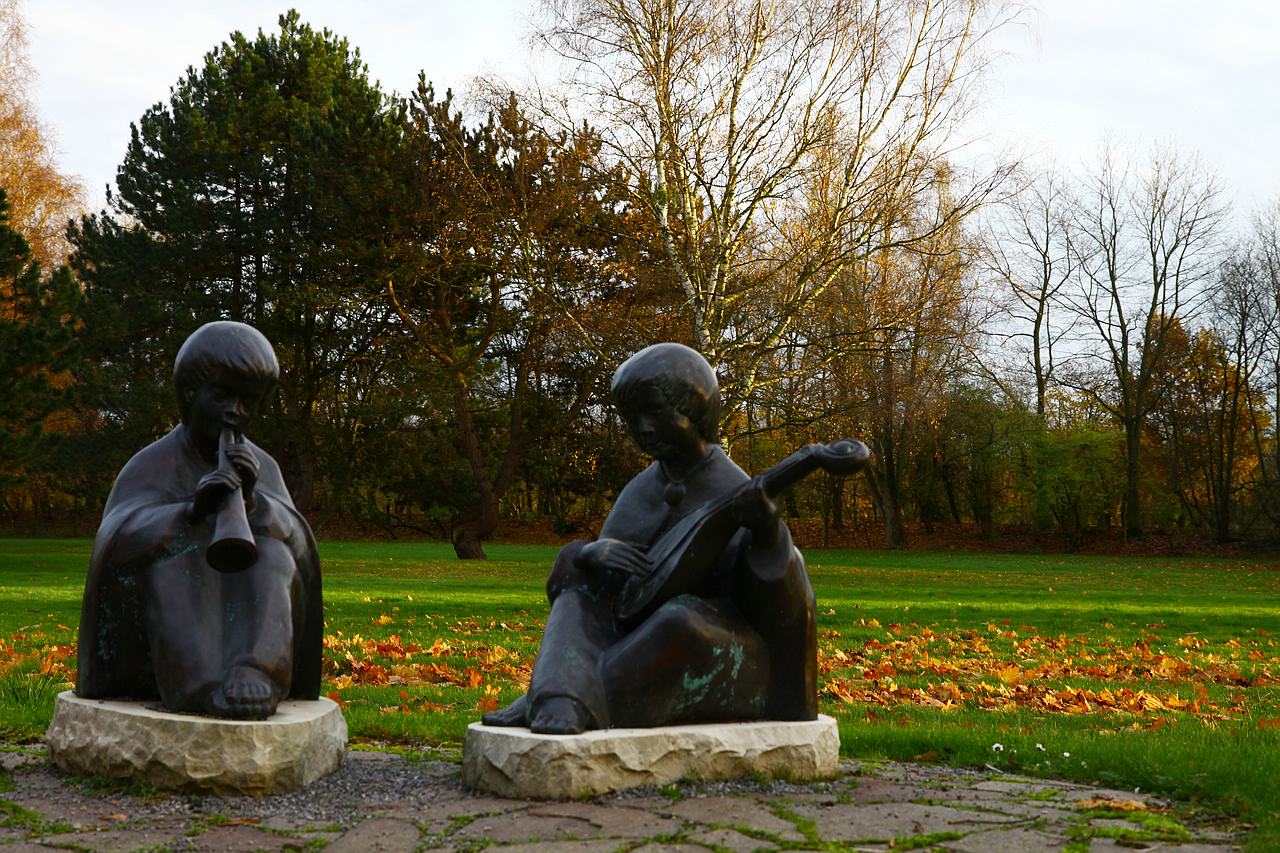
point(232, 548)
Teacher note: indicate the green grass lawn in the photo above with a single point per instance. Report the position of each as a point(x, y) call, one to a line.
point(1158, 674)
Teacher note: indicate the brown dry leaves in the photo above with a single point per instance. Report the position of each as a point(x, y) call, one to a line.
point(36, 647)
point(467, 657)
point(1000, 668)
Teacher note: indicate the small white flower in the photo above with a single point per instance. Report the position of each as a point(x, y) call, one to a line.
point(997, 747)
point(1066, 755)
point(1040, 747)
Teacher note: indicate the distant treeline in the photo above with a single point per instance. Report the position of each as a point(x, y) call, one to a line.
point(1056, 354)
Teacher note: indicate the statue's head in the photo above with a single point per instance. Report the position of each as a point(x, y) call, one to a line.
point(224, 352)
point(682, 376)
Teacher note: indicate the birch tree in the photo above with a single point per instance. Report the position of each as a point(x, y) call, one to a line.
point(1030, 258)
point(41, 199)
point(759, 135)
point(1146, 242)
point(1265, 227)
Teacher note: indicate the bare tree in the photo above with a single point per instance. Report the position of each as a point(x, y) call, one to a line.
point(773, 144)
point(907, 318)
point(42, 199)
point(1243, 317)
point(1266, 237)
point(1144, 243)
point(1029, 254)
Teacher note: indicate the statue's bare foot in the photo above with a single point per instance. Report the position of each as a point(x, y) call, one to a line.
point(512, 715)
point(245, 695)
point(560, 715)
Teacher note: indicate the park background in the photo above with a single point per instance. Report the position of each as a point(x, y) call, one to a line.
point(1070, 356)
point(1041, 355)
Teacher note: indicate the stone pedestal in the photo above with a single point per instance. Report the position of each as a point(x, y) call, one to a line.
point(514, 762)
point(300, 743)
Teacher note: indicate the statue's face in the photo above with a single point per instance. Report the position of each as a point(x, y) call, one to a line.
point(661, 430)
point(226, 401)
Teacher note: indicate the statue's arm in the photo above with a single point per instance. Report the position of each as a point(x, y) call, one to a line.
point(620, 548)
point(758, 513)
point(771, 584)
point(149, 513)
point(140, 531)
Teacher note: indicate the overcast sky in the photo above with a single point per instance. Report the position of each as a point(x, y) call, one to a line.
point(1201, 75)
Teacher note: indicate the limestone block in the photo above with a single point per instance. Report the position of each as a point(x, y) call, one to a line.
point(514, 762)
point(300, 743)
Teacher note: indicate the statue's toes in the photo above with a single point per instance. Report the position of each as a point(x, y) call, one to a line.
point(560, 715)
point(247, 694)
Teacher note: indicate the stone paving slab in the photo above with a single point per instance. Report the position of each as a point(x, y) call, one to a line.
point(521, 826)
point(237, 839)
point(380, 835)
point(887, 821)
point(729, 839)
point(596, 846)
point(734, 811)
point(615, 822)
point(1007, 841)
point(114, 841)
point(385, 803)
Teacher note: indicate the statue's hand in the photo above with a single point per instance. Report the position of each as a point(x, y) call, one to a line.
point(245, 462)
point(757, 512)
point(614, 555)
point(212, 491)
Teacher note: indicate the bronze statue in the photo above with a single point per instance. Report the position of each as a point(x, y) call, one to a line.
point(204, 586)
point(693, 605)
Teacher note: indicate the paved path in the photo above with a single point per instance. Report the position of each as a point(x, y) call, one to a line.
point(380, 801)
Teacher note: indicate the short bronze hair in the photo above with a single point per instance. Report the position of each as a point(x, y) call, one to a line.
point(682, 376)
point(227, 345)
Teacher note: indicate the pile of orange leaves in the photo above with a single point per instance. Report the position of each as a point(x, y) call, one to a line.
point(466, 659)
point(1151, 680)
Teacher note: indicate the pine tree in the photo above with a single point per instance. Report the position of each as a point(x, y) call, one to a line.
point(263, 191)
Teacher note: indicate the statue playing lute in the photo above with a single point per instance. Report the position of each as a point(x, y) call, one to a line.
point(692, 605)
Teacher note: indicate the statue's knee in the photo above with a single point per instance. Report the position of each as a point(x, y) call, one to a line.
point(679, 622)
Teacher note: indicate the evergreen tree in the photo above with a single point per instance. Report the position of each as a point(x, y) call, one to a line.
point(262, 192)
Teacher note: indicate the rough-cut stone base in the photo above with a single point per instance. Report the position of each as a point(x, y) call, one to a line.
point(300, 743)
point(514, 762)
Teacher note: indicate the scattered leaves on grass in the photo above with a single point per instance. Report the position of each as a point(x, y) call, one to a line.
point(1000, 668)
point(1113, 805)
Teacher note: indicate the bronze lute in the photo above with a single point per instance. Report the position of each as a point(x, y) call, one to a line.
point(684, 555)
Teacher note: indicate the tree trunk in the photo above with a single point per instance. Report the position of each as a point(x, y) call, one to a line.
point(468, 532)
point(1133, 472)
point(837, 502)
point(885, 498)
point(298, 468)
point(469, 529)
point(1222, 518)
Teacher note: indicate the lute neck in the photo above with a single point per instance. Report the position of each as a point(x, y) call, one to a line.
point(790, 471)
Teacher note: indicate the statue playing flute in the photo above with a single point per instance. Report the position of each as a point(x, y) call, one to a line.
point(204, 585)
point(693, 605)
